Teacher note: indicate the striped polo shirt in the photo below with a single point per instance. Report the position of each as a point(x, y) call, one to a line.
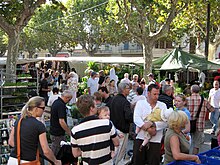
point(93, 137)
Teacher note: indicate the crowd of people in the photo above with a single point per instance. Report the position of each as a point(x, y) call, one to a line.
point(113, 111)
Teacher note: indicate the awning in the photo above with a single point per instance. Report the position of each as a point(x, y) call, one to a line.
point(19, 61)
point(118, 60)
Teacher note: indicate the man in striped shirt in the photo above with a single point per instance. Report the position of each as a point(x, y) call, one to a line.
point(91, 139)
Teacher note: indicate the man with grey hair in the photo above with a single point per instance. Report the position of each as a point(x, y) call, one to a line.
point(121, 115)
point(166, 96)
point(58, 121)
point(193, 103)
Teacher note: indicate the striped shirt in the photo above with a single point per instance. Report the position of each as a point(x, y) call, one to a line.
point(193, 103)
point(93, 136)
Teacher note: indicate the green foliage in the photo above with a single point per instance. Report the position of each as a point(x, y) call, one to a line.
point(24, 75)
point(47, 22)
point(82, 86)
point(11, 9)
point(20, 84)
point(93, 66)
point(178, 89)
point(192, 21)
point(90, 26)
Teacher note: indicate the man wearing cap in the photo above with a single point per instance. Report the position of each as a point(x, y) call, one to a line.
point(151, 79)
point(92, 83)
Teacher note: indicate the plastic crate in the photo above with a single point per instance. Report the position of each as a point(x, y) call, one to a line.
point(217, 148)
point(183, 163)
point(211, 157)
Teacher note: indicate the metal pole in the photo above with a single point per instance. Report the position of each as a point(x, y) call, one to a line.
point(207, 31)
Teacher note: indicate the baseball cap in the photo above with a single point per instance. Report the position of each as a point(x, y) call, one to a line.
point(150, 75)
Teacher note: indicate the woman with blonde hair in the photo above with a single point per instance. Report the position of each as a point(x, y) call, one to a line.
point(32, 132)
point(176, 144)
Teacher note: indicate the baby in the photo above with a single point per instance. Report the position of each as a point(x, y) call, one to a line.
point(104, 113)
point(156, 115)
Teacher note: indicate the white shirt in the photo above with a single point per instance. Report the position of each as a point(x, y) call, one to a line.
point(93, 85)
point(137, 98)
point(141, 111)
point(52, 98)
point(215, 97)
point(125, 80)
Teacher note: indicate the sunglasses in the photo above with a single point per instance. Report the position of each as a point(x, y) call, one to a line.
point(43, 108)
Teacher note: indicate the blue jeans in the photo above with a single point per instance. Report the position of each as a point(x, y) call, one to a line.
point(214, 118)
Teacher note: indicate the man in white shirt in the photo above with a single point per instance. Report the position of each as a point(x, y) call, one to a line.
point(142, 109)
point(92, 83)
point(53, 97)
point(214, 100)
point(126, 79)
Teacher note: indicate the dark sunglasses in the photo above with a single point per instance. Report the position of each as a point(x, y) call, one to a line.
point(43, 108)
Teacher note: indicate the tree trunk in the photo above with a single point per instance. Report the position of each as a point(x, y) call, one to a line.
point(212, 51)
point(31, 53)
point(192, 45)
point(148, 57)
point(12, 56)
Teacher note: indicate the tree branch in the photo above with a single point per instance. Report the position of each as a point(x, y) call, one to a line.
point(165, 27)
point(6, 26)
point(25, 16)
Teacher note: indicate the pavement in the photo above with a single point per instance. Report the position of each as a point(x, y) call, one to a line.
point(205, 147)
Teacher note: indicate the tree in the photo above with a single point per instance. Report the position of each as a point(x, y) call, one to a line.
point(14, 16)
point(146, 21)
point(195, 19)
point(46, 30)
point(88, 24)
point(3, 43)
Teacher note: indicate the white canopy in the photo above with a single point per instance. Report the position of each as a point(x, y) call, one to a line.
point(19, 61)
point(124, 60)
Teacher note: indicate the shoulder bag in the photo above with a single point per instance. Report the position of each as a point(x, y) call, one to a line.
point(193, 122)
point(35, 162)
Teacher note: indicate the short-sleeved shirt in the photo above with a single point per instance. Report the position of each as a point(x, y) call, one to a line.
point(93, 137)
point(93, 85)
point(193, 103)
point(186, 112)
point(215, 97)
point(58, 111)
point(30, 130)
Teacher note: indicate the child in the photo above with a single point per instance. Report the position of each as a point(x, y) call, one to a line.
point(104, 113)
point(156, 115)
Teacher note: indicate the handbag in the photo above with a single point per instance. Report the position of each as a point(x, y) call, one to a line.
point(35, 162)
point(193, 122)
point(214, 142)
